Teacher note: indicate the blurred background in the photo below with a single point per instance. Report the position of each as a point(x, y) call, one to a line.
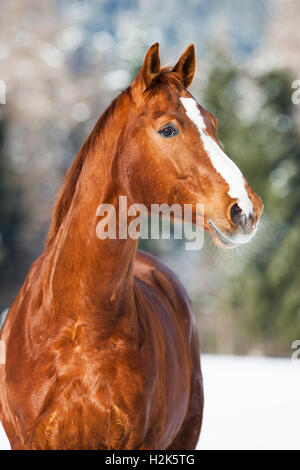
point(62, 63)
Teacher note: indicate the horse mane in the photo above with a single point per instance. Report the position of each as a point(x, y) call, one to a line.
point(165, 78)
point(67, 191)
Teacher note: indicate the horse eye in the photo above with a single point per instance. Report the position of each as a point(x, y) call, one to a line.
point(168, 131)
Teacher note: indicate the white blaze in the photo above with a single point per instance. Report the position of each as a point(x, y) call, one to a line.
point(221, 162)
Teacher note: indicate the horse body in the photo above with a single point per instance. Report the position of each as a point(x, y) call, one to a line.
point(101, 346)
point(135, 387)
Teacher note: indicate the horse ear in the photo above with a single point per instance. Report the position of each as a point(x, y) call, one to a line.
point(151, 65)
point(186, 66)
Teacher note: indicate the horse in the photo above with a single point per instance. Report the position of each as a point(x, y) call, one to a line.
point(102, 350)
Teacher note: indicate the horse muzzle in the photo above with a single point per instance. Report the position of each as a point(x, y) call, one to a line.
point(243, 226)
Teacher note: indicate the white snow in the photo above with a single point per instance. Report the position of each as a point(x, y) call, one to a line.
point(4, 442)
point(250, 403)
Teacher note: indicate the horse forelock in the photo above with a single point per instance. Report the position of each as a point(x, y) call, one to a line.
point(67, 191)
point(165, 79)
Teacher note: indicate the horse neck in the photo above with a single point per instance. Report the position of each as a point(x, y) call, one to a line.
point(96, 273)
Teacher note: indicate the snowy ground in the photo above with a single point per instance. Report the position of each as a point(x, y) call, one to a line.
point(250, 403)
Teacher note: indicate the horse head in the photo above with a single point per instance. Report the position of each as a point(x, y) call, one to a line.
point(175, 155)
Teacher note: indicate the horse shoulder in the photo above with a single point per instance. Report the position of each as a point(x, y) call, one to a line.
point(152, 272)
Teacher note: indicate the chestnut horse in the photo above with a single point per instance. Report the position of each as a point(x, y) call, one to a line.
point(101, 346)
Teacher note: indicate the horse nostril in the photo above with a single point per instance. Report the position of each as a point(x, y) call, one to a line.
point(236, 212)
